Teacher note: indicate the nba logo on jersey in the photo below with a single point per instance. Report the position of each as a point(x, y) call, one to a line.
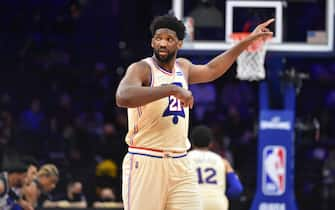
point(274, 170)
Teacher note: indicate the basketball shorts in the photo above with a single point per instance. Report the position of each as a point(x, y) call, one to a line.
point(156, 180)
point(214, 202)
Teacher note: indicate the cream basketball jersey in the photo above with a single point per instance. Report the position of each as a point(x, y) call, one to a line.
point(161, 124)
point(211, 173)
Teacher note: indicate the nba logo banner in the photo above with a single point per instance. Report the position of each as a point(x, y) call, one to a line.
point(274, 170)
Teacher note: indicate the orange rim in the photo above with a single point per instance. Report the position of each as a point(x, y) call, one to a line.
point(254, 46)
point(239, 35)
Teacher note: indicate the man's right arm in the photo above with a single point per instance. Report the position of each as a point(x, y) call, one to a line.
point(134, 90)
point(234, 185)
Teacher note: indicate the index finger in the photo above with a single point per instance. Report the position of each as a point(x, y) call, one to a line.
point(268, 22)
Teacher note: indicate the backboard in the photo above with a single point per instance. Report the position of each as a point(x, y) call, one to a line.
point(301, 26)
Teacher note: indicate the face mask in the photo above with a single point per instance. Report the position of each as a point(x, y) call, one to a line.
point(107, 199)
point(77, 196)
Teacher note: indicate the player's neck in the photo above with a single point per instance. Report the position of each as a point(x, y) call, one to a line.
point(167, 66)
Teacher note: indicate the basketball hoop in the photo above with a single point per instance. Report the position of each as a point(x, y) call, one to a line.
point(250, 63)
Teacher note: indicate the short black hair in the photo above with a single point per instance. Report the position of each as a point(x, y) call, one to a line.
point(170, 22)
point(30, 161)
point(201, 136)
point(14, 166)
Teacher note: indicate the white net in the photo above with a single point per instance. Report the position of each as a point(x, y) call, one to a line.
point(250, 64)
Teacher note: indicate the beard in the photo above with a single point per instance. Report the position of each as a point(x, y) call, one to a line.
point(164, 59)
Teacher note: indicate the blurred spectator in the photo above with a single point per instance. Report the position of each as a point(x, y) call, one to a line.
point(330, 100)
point(31, 173)
point(329, 180)
point(107, 194)
point(111, 145)
point(107, 168)
point(234, 125)
point(64, 114)
point(102, 77)
point(238, 94)
point(32, 118)
point(205, 98)
point(32, 169)
point(220, 145)
point(6, 102)
point(6, 129)
point(61, 127)
point(107, 199)
point(46, 180)
point(91, 120)
point(121, 121)
point(74, 197)
point(108, 174)
point(33, 129)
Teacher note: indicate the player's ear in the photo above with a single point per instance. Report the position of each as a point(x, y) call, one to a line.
point(180, 44)
point(152, 42)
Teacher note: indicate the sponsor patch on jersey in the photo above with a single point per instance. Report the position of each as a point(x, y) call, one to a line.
point(179, 73)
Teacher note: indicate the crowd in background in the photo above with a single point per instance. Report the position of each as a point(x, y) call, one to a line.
point(60, 64)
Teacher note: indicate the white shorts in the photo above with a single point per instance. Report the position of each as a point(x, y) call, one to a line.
point(215, 203)
point(155, 180)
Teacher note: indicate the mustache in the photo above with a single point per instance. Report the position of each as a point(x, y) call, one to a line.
point(162, 59)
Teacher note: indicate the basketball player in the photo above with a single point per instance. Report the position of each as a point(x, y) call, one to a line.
point(213, 172)
point(45, 181)
point(20, 204)
point(157, 174)
point(11, 178)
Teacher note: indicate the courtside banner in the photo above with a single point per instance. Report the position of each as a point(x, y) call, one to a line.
point(275, 170)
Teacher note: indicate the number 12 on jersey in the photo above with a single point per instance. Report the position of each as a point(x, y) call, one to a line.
point(206, 175)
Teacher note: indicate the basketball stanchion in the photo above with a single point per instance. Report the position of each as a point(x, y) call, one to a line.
point(275, 178)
